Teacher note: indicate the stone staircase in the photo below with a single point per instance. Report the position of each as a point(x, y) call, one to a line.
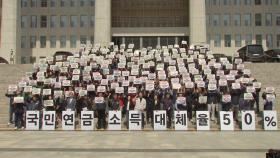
point(9, 74)
point(264, 72)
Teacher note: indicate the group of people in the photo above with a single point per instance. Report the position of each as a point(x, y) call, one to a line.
point(169, 78)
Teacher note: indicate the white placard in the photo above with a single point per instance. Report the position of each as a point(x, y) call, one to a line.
point(101, 89)
point(202, 120)
point(32, 120)
point(226, 121)
point(248, 96)
point(49, 119)
point(132, 90)
point(269, 89)
point(226, 98)
point(119, 90)
point(160, 120)
point(99, 100)
point(114, 120)
point(270, 120)
point(48, 103)
point(87, 120)
point(68, 120)
point(18, 100)
point(202, 99)
point(181, 120)
point(248, 120)
point(135, 120)
point(236, 86)
point(257, 85)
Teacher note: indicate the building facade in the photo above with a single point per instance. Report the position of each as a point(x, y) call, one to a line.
point(38, 28)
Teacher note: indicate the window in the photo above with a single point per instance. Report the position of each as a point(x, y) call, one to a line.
point(150, 41)
point(237, 19)
point(62, 3)
point(278, 40)
point(53, 41)
point(62, 41)
point(217, 40)
point(278, 19)
point(72, 3)
point(216, 20)
point(247, 2)
point(44, 21)
point(33, 3)
point(227, 40)
point(226, 2)
point(23, 42)
point(237, 40)
point(248, 39)
point(237, 2)
point(269, 41)
point(52, 3)
point(268, 2)
point(23, 3)
point(32, 41)
point(259, 39)
point(63, 21)
point(23, 21)
point(226, 20)
point(53, 21)
point(216, 2)
point(83, 39)
point(258, 19)
point(43, 40)
point(167, 41)
point(83, 21)
point(268, 19)
point(92, 3)
point(82, 3)
point(73, 41)
point(33, 23)
point(73, 21)
point(258, 2)
point(92, 20)
point(44, 3)
point(247, 20)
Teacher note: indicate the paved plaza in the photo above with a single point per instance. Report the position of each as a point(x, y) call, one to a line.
point(137, 144)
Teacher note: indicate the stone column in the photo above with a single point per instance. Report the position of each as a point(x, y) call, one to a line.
point(10, 30)
point(197, 21)
point(102, 28)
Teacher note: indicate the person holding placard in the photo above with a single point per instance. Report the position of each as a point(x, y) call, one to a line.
point(200, 96)
point(19, 106)
point(168, 107)
point(114, 104)
point(212, 101)
point(150, 107)
point(59, 104)
point(190, 102)
point(33, 104)
point(268, 99)
point(180, 103)
point(101, 107)
point(71, 102)
point(11, 96)
point(141, 106)
point(235, 93)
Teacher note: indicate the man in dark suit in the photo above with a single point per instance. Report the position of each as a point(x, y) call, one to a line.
point(71, 102)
